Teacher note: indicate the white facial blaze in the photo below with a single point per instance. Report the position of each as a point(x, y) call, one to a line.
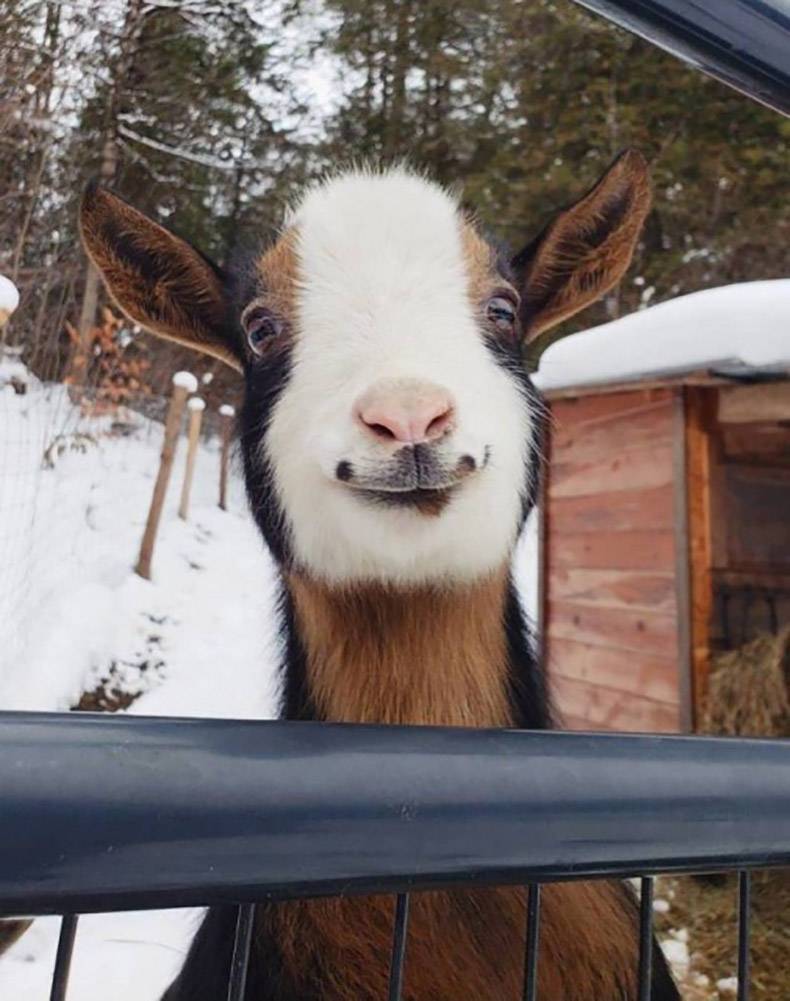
point(385, 296)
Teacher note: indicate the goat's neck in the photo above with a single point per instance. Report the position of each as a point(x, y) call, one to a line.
point(423, 655)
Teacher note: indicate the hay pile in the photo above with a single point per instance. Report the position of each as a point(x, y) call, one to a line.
point(749, 690)
point(709, 914)
point(748, 696)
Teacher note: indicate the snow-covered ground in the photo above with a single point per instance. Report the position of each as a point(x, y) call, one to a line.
point(197, 640)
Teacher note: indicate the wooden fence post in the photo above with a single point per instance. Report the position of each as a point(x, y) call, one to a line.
point(195, 406)
point(184, 383)
point(226, 413)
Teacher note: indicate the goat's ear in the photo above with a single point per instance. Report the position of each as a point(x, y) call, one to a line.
point(585, 250)
point(159, 280)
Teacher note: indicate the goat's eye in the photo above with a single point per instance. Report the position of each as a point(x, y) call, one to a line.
point(259, 326)
point(502, 314)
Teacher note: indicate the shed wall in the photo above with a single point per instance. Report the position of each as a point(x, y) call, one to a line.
point(611, 634)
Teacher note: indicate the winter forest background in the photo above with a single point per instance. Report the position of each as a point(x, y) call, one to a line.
point(210, 114)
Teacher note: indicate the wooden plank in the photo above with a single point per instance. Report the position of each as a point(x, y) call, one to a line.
point(682, 564)
point(624, 629)
point(639, 427)
point(695, 549)
point(569, 722)
point(646, 674)
point(762, 402)
point(635, 550)
point(699, 377)
point(620, 511)
point(624, 469)
point(615, 588)
point(544, 523)
point(588, 410)
point(762, 443)
point(753, 579)
point(610, 709)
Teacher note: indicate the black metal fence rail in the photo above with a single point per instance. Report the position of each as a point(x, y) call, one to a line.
point(111, 813)
point(744, 43)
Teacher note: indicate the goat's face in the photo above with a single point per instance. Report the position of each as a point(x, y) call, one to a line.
point(383, 348)
point(389, 430)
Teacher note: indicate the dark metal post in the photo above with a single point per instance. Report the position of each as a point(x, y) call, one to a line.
point(241, 953)
point(399, 946)
point(533, 939)
point(60, 978)
point(645, 938)
point(744, 919)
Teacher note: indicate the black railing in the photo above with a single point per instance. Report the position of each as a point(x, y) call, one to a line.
point(115, 813)
point(744, 43)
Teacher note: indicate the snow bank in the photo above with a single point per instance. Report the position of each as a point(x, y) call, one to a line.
point(734, 328)
point(74, 493)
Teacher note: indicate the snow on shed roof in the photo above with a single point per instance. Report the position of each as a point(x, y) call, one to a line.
point(735, 329)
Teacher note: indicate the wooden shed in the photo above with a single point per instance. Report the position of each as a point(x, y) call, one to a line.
point(664, 531)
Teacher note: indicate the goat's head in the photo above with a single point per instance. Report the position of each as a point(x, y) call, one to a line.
point(390, 430)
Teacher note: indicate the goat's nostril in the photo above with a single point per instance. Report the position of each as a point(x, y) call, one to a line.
point(439, 424)
point(381, 430)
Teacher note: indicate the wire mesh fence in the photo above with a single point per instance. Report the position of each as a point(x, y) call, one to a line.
point(75, 475)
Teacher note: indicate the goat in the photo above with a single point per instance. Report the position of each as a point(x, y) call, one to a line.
point(390, 436)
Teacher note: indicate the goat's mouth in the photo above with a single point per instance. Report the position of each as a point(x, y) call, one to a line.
point(415, 477)
point(428, 501)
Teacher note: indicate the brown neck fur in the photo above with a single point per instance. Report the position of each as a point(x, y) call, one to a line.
point(436, 656)
point(423, 655)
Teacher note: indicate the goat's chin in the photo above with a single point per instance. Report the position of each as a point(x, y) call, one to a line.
point(456, 535)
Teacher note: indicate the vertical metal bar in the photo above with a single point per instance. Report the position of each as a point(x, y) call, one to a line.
point(533, 938)
point(744, 921)
point(645, 938)
point(399, 946)
point(60, 977)
point(237, 984)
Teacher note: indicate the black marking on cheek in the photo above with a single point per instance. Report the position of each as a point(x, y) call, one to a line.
point(508, 357)
point(265, 383)
point(344, 471)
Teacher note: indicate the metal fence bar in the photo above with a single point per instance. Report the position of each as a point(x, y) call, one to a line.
point(645, 938)
point(744, 922)
point(237, 984)
point(399, 946)
point(533, 938)
point(743, 43)
point(60, 977)
point(294, 810)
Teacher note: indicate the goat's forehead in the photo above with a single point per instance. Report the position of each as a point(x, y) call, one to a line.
point(378, 238)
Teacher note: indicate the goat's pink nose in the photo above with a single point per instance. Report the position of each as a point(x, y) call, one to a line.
point(405, 411)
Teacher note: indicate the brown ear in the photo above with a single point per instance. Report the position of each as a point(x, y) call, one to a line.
point(586, 249)
point(156, 278)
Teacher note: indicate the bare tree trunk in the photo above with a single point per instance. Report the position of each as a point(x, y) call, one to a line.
point(107, 171)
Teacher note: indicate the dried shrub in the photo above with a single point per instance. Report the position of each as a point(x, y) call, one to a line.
point(114, 361)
